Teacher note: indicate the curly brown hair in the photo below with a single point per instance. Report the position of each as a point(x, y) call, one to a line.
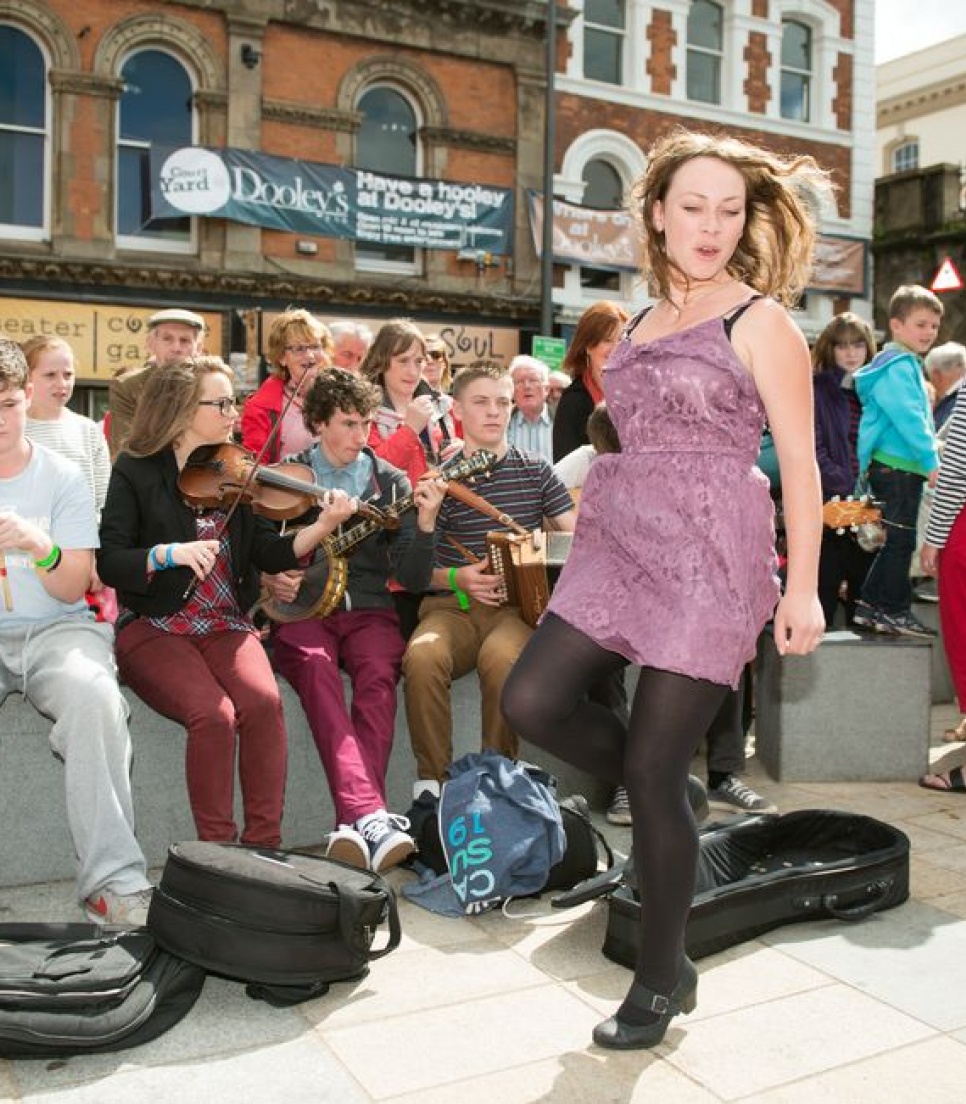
point(335, 390)
point(774, 255)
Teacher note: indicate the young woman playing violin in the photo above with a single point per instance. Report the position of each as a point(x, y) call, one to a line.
point(185, 578)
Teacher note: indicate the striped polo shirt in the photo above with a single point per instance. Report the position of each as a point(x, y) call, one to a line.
point(521, 485)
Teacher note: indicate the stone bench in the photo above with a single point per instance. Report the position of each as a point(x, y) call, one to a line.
point(35, 844)
point(856, 710)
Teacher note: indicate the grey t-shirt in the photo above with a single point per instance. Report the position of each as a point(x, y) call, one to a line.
point(52, 493)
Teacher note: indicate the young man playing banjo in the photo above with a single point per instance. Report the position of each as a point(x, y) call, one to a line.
point(339, 614)
point(466, 623)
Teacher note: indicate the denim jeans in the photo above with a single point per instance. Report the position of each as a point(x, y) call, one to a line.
point(887, 586)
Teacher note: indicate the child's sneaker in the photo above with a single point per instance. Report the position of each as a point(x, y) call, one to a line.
point(385, 836)
point(346, 845)
point(125, 909)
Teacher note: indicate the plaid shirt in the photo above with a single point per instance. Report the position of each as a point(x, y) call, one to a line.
point(212, 606)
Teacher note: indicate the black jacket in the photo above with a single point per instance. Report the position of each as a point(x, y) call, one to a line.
point(145, 508)
point(570, 420)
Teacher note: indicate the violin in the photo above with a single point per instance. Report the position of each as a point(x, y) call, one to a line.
point(225, 474)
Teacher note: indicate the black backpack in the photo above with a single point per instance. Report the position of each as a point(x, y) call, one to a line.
point(286, 922)
point(69, 989)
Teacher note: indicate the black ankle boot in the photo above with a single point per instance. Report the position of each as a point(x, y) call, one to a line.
point(614, 1034)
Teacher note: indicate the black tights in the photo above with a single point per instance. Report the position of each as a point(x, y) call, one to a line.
point(544, 700)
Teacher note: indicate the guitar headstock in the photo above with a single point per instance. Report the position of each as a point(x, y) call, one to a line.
point(466, 466)
point(850, 513)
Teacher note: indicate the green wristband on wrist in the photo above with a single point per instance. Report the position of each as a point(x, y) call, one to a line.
point(51, 560)
point(461, 596)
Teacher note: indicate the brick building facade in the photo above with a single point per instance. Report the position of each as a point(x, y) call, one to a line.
point(458, 88)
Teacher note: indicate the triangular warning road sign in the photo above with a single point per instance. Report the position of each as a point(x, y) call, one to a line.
point(947, 278)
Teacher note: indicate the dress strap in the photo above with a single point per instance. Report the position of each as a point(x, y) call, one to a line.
point(730, 319)
point(635, 321)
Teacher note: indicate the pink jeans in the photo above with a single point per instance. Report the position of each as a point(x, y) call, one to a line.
point(354, 744)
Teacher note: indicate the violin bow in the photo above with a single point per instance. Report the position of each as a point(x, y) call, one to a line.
point(259, 456)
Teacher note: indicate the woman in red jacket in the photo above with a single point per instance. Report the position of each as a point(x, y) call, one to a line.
point(299, 346)
point(406, 427)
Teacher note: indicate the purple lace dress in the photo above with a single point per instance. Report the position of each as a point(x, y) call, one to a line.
point(673, 563)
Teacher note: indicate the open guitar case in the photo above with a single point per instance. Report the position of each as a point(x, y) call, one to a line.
point(759, 873)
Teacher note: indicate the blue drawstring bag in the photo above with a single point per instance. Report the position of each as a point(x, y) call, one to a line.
point(500, 828)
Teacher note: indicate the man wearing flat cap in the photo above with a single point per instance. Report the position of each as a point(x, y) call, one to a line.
point(173, 334)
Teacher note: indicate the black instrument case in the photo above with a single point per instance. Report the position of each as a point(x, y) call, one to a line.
point(761, 872)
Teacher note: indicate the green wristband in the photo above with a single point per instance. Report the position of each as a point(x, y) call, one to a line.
point(50, 561)
point(461, 596)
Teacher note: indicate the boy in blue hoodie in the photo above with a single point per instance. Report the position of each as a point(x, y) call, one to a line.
point(897, 450)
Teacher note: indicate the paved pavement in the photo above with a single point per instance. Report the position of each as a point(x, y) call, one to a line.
point(493, 1008)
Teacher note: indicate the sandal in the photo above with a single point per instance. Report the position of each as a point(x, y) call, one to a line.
point(952, 782)
point(952, 735)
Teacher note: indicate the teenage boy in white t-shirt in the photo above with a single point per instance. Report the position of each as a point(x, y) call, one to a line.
point(55, 653)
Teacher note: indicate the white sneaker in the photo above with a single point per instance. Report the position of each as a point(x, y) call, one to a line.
point(346, 845)
point(129, 909)
point(386, 838)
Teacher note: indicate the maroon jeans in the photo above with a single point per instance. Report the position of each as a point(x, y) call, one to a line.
point(221, 687)
point(354, 743)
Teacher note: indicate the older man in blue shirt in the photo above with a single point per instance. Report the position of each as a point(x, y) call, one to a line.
point(531, 424)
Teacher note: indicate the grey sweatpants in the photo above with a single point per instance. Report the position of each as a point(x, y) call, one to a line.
point(65, 668)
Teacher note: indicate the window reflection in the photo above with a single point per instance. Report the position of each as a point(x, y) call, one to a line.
point(796, 71)
point(387, 143)
point(604, 191)
point(705, 49)
point(155, 110)
point(23, 130)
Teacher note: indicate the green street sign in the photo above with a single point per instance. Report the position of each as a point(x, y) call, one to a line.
point(551, 350)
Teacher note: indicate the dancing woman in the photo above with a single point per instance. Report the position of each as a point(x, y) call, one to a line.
point(673, 564)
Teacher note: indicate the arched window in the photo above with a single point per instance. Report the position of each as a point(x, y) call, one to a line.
point(604, 191)
point(24, 187)
point(796, 89)
point(155, 109)
point(387, 142)
point(906, 156)
point(705, 51)
point(604, 29)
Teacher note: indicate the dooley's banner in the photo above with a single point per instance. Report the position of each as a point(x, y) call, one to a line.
point(586, 236)
point(306, 197)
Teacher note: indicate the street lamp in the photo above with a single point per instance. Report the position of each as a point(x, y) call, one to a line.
point(546, 258)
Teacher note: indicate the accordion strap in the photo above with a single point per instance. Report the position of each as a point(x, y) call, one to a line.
point(477, 502)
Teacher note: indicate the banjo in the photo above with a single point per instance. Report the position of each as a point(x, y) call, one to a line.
point(325, 580)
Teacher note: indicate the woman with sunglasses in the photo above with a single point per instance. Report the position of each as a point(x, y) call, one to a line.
point(438, 373)
point(185, 579)
point(299, 347)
